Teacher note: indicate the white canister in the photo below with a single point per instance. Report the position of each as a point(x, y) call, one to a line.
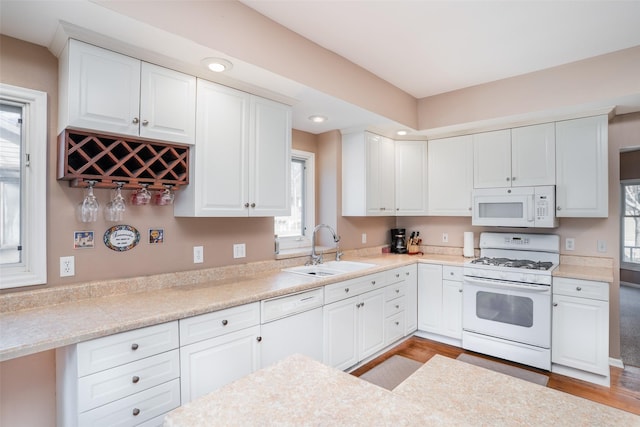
point(467, 250)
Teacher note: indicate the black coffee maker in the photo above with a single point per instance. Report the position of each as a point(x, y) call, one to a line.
point(398, 241)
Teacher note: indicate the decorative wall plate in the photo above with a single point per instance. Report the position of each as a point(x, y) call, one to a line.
point(121, 237)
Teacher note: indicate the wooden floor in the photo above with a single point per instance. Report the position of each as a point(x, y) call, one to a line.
point(624, 392)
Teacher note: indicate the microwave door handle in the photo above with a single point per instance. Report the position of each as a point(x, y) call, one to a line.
point(531, 208)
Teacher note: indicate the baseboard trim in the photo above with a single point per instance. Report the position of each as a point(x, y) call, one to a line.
point(616, 363)
point(440, 338)
point(581, 375)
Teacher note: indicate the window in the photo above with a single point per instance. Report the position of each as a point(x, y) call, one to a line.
point(293, 230)
point(630, 225)
point(23, 156)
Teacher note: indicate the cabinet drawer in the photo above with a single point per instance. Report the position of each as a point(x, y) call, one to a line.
point(581, 288)
point(114, 350)
point(394, 328)
point(349, 288)
point(115, 383)
point(394, 307)
point(401, 273)
point(210, 325)
point(452, 273)
point(395, 291)
point(135, 409)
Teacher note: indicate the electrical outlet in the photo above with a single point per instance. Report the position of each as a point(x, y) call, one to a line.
point(67, 266)
point(445, 237)
point(239, 250)
point(570, 243)
point(602, 246)
point(364, 237)
point(198, 254)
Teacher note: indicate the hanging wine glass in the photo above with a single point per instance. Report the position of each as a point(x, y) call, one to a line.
point(164, 197)
point(114, 211)
point(142, 196)
point(87, 210)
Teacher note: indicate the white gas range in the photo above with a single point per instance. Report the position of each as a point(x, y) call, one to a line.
point(507, 297)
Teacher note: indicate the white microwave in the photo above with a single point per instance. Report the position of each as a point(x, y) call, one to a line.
point(515, 207)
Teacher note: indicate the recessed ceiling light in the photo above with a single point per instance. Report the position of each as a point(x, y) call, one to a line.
point(401, 132)
point(318, 119)
point(217, 65)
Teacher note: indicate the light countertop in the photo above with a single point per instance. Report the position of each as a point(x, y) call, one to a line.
point(44, 319)
point(299, 391)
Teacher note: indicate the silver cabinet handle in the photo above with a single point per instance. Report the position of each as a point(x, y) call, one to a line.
point(558, 208)
point(397, 275)
point(253, 205)
point(578, 288)
point(397, 306)
point(259, 339)
point(346, 290)
point(145, 122)
point(225, 322)
point(373, 282)
point(555, 304)
point(136, 412)
point(513, 178)
point(134, 346)
point(246, 205)
point(508, 179)
point(135, 379)
point(135, 121)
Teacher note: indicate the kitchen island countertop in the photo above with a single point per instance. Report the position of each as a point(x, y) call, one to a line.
point(300, 391)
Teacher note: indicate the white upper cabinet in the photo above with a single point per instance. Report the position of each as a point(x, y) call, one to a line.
point(492, 159)
point(518, 157)
point(582, 167)
point(240, 165)
point(368, 175)
point(450, 171)
point(411, 177)
point(104, 91)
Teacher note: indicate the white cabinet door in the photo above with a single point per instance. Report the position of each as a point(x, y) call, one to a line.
point(167, 104)
point(580, 334)
point(452, 308)
point(533, 155)
point(371, 323)
point(492, 159)
point(582, 167)
point(450, 179)
point(208, 365)
point(99, 90)
point(368, 175)
point(411, 308)
point(411, 177)
point(430, 298)
point(269, 158)
point(341, 333)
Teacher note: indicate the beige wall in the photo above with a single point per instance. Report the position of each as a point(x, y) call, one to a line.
point(579, 83)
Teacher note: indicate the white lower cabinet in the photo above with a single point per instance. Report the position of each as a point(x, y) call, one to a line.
point(354, 325)
point(580, 328)
point(230, 351)
point(440, 301)
point(124, 379)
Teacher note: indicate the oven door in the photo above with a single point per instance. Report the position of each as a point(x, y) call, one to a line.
point(508, 310)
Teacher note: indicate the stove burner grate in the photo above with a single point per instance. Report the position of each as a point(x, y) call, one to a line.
point(513, 263)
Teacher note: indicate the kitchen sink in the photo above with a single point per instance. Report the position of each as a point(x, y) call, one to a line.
point(330, 268)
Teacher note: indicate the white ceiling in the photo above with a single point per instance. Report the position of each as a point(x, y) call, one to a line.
point(422, 47)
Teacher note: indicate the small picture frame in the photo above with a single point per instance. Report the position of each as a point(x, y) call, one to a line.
point(156, 236)
point(83, 240)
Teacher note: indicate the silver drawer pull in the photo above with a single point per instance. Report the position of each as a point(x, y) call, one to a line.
point(397, 323)
point(397, 274)
point(259, 339)
point(136, 412)
point(578, 288)
point(134, 346)
point(555, 304)
point(397, 306)
point(346, 290)
point(397, 291)
point(307, 298)
point(225, 322)
point(135, 379)
point(373, 282)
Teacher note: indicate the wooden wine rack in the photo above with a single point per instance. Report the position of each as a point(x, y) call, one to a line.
point(116, 160)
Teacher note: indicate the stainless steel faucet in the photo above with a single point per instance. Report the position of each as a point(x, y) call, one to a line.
point(315, 258)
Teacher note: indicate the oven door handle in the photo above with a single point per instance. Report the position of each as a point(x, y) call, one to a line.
point(505, 285)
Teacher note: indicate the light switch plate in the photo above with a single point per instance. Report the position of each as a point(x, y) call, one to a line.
point(364, 238)
point(239, 250)
point(445, 237)
point(602, 246)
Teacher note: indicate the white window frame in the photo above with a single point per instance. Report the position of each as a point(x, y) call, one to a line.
point(625, 265)
point(33, 268)
point(310, 205)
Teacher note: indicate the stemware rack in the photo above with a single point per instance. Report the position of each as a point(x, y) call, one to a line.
point(113, 161)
